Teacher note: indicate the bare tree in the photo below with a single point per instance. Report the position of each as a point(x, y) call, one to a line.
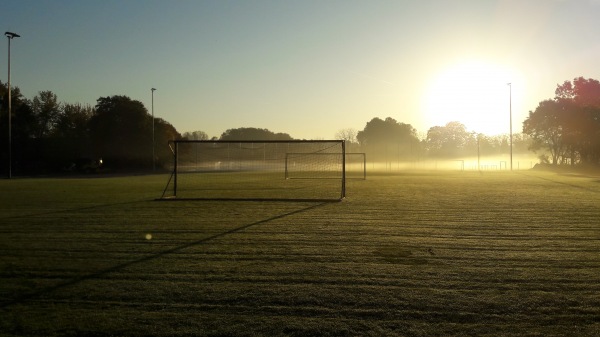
point(349, 135)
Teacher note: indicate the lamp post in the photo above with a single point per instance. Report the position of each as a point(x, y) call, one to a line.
point(10, 36)
point(153, 155)
point(511, 133)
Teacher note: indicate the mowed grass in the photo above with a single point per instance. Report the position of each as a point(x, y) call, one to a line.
point(412, 254)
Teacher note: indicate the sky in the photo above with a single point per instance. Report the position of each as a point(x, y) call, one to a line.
point(306, 68)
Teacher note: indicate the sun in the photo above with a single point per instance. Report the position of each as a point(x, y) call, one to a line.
point(475, 93)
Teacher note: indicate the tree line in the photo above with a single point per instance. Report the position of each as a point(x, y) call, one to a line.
point(49, 136)
point(564, 130)
point(389, 140)
point(567, 128)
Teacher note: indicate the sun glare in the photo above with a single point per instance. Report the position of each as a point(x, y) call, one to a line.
point(473, 93)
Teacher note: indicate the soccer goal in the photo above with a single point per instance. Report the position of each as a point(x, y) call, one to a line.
point(302, 170)
point(356, 165)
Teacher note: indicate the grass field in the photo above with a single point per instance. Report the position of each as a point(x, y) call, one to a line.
point(413, 254)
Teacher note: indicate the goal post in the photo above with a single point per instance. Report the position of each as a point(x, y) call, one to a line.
point(257, 170)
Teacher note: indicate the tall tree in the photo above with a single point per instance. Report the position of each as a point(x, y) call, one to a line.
point(22, 120)
point(195, 135)
point(253, 134)
point(72, 122)
point(378, 131)
point(583, 92)
point(46, 109)
point(387, 139)
point(450, 140)
point(121, 130)
point(70, 136)
point(582, 127)
point(568, 127)
point(165, 132)
point(546, 127)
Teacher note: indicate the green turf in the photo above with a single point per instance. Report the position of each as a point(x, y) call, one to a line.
point(257, 185)
point(413, 254)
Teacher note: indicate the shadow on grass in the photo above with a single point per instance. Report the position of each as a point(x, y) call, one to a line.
point(86, 208)
point(565, 183)
point(25, 297)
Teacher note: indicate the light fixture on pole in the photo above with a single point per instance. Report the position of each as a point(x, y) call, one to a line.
point(153, 155)
point(511, 133)
point(10, 36)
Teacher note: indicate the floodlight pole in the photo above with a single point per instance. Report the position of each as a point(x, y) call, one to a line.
point(10, 36)
point(153, 155)
point(478, 152)
point(511, 133)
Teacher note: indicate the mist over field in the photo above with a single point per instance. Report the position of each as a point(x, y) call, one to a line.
point(484, 163)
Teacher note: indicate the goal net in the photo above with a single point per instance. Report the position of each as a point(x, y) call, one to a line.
point(300, 166)
point(356, 165)
point(257, 170)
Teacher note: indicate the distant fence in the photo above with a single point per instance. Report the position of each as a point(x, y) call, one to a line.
point(452, 164)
